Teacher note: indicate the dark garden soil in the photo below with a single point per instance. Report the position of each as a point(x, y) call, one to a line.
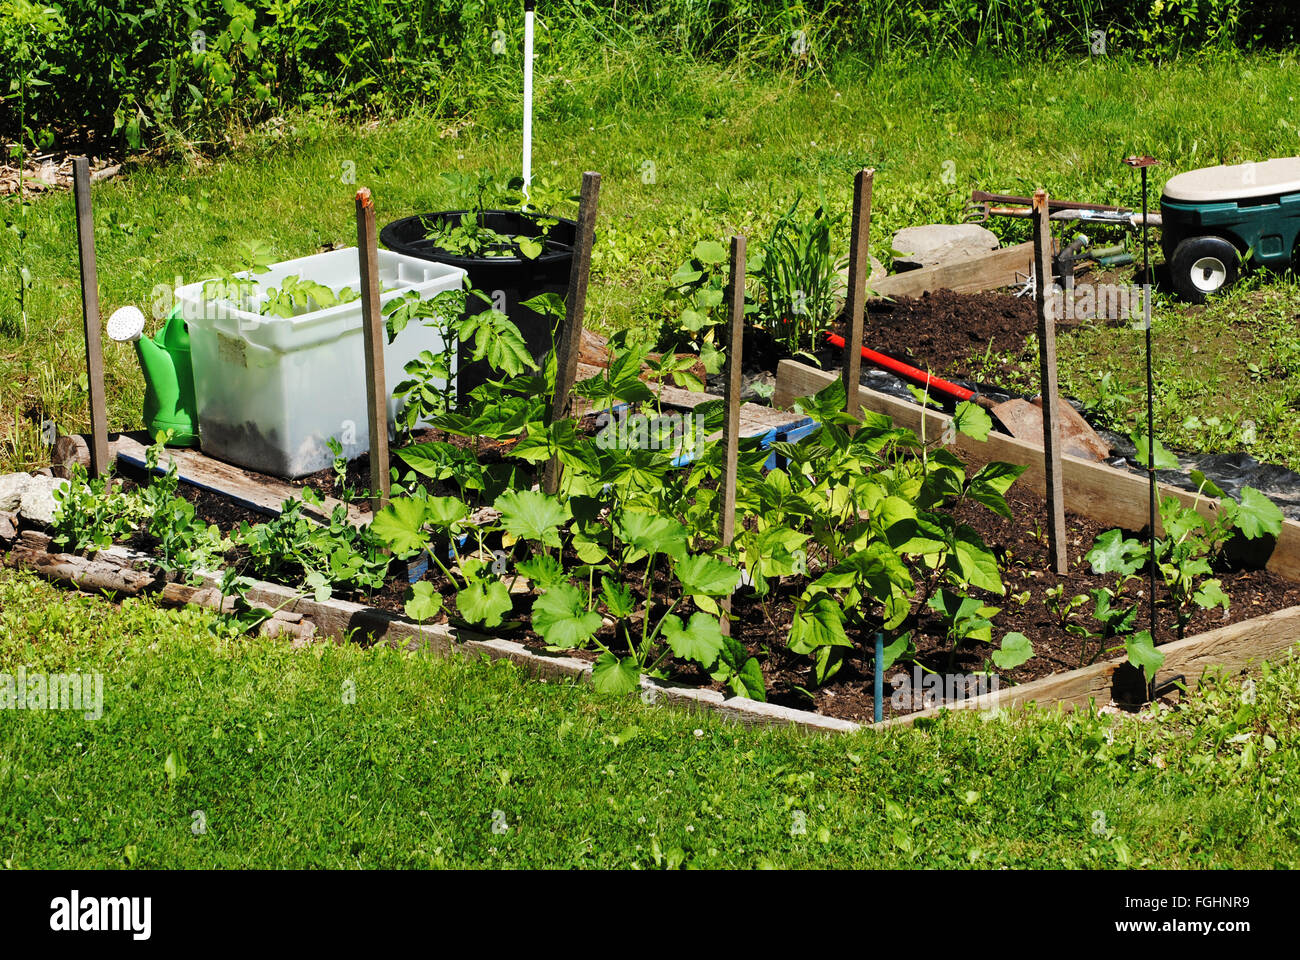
point(1020, 543)
point(940, 331)
point(943, 330)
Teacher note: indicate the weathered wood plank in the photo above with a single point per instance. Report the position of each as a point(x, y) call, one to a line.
point(570, 340)
point(1232, 648)
point(1095, 490)
point(1048, 385)
point(856, 302)
point(98, 446)
point(756, 419)
point(373, 338)
point(261, 493)
point(999, 269)
point(341, 621)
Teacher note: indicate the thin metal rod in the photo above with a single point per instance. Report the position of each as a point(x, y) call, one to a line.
point(878, 681)
point(856, 303)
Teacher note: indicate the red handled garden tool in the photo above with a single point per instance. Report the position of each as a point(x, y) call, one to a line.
point(1023, 419)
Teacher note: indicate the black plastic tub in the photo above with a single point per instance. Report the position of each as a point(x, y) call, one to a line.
point(507, 280)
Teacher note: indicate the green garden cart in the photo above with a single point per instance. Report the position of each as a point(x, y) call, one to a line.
point(1214, 216)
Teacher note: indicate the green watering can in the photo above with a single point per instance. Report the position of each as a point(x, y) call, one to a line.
point(168, 377)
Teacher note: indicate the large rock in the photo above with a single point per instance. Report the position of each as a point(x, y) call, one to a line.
point(38, 503)
point(941, 243)
point(12, 486)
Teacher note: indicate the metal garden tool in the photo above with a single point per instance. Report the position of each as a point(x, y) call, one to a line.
point(1023, 419)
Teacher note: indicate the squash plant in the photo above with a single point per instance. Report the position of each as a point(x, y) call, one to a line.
point(567, 616)
point(868, 518)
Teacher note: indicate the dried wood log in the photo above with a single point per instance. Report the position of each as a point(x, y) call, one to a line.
point(281, 622)
point(275, 627)
point(79, 572)
point(34, 540)
point(69, 450)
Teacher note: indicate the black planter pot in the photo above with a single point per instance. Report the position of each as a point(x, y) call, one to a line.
point(507, 281)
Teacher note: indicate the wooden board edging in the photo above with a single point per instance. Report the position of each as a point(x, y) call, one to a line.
point(265, 495)
point(343, 620)
point(998, 268)
point(1233, 647)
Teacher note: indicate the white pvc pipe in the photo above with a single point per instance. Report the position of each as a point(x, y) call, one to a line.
point(528, 95)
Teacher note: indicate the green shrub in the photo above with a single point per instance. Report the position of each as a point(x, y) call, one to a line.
point(181, 72)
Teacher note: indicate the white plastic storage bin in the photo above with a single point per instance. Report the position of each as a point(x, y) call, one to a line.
point(272, 391)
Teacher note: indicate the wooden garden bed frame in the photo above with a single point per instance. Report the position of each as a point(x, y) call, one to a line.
point(1101, 492)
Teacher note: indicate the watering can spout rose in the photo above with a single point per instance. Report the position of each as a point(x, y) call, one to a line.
point(168, 375)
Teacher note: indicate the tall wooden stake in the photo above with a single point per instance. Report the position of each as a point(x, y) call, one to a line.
point(1047, 378)
point(570, 340)
point(731, 422)
point(856, 304)
point(90, 311)
point(372, 333)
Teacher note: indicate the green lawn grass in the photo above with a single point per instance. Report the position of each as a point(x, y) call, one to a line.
point(686, 151)
point(212, 753)
point(286, 773)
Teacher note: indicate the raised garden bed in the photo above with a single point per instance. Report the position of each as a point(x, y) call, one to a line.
point(1103, 497)
point(761, 567)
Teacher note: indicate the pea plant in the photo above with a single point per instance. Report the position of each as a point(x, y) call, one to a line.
point(94, 513)
point(322, 557)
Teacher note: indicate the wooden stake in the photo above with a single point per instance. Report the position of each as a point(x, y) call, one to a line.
point(90, 312)
point(856, 304)
point(731, 422)
point(372, 332)
point(570, 340)
point(1047, 375)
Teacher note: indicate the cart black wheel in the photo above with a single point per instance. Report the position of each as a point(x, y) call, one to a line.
point(1202, 266)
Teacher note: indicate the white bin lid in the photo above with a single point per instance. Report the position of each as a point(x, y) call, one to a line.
point(1239, 181)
